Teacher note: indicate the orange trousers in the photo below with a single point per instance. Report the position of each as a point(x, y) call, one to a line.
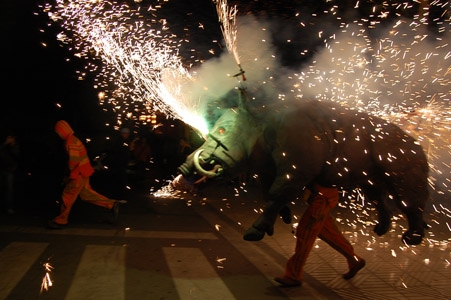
point(80, 187)
point(318, 222)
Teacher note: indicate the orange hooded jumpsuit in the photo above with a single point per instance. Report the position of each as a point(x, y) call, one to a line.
point(318, 222)
point(80, 170)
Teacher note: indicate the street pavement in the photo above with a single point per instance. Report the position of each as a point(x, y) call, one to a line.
point(185, 246)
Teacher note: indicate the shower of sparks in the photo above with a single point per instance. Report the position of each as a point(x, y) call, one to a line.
point(402, 76)
point(136, 60)
point(400, 71)
point(177, 187)
point(227, 20)
point(169, 192)
point(166, 191)
point(47, 280)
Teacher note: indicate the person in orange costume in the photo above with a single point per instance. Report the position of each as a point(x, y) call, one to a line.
point(80, 169)
point(318, 222)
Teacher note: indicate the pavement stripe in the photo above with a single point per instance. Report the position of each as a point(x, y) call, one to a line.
point(15, 260)
point(100, 274)
point(125, 232)
point(262, 260)
point(193, 275)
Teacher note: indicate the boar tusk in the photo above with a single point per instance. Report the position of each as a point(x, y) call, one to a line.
point(204, 178)
point(202, 171)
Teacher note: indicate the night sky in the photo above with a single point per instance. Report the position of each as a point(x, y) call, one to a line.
point(38, 77)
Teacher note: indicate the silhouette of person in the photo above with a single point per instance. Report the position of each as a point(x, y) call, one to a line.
point(118, 159)
point(318, 222)
point(9, 162)
point(78, 184)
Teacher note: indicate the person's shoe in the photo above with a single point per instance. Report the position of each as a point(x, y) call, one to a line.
point(52, 225)
point(285, 213)
point(355, 268)
point(115, 211)
point(253, 234)
point(287, 282)
point(256, 234)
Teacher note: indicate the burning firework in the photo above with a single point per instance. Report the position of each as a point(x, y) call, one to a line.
point(139, 62)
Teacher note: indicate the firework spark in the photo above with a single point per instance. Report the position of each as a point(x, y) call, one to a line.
point(227, 21)
point(47, 281)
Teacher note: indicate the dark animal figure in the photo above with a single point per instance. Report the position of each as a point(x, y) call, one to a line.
point(307, 142)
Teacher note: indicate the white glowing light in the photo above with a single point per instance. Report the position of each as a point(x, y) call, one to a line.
point(221, 260)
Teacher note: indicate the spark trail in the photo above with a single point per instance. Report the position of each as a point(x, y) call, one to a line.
point(136, 60)
point(227, 21)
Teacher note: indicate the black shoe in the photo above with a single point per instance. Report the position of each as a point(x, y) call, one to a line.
point(357, 267)
point(256, 234)
point(253, 234)
point(285, 213)
point(115, 211)
point(287, 282)
point(52, 225)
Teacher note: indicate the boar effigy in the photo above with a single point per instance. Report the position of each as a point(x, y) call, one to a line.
point(295, 145)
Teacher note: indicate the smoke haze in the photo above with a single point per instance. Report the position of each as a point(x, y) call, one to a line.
point(399, 71)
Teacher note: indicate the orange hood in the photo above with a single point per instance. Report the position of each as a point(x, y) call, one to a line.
point(63, 129)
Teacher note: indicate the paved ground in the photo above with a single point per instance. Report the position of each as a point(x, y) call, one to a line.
point(393, 270)
point(191, 247)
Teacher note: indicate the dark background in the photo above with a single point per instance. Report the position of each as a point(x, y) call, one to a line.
point(37, 78)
